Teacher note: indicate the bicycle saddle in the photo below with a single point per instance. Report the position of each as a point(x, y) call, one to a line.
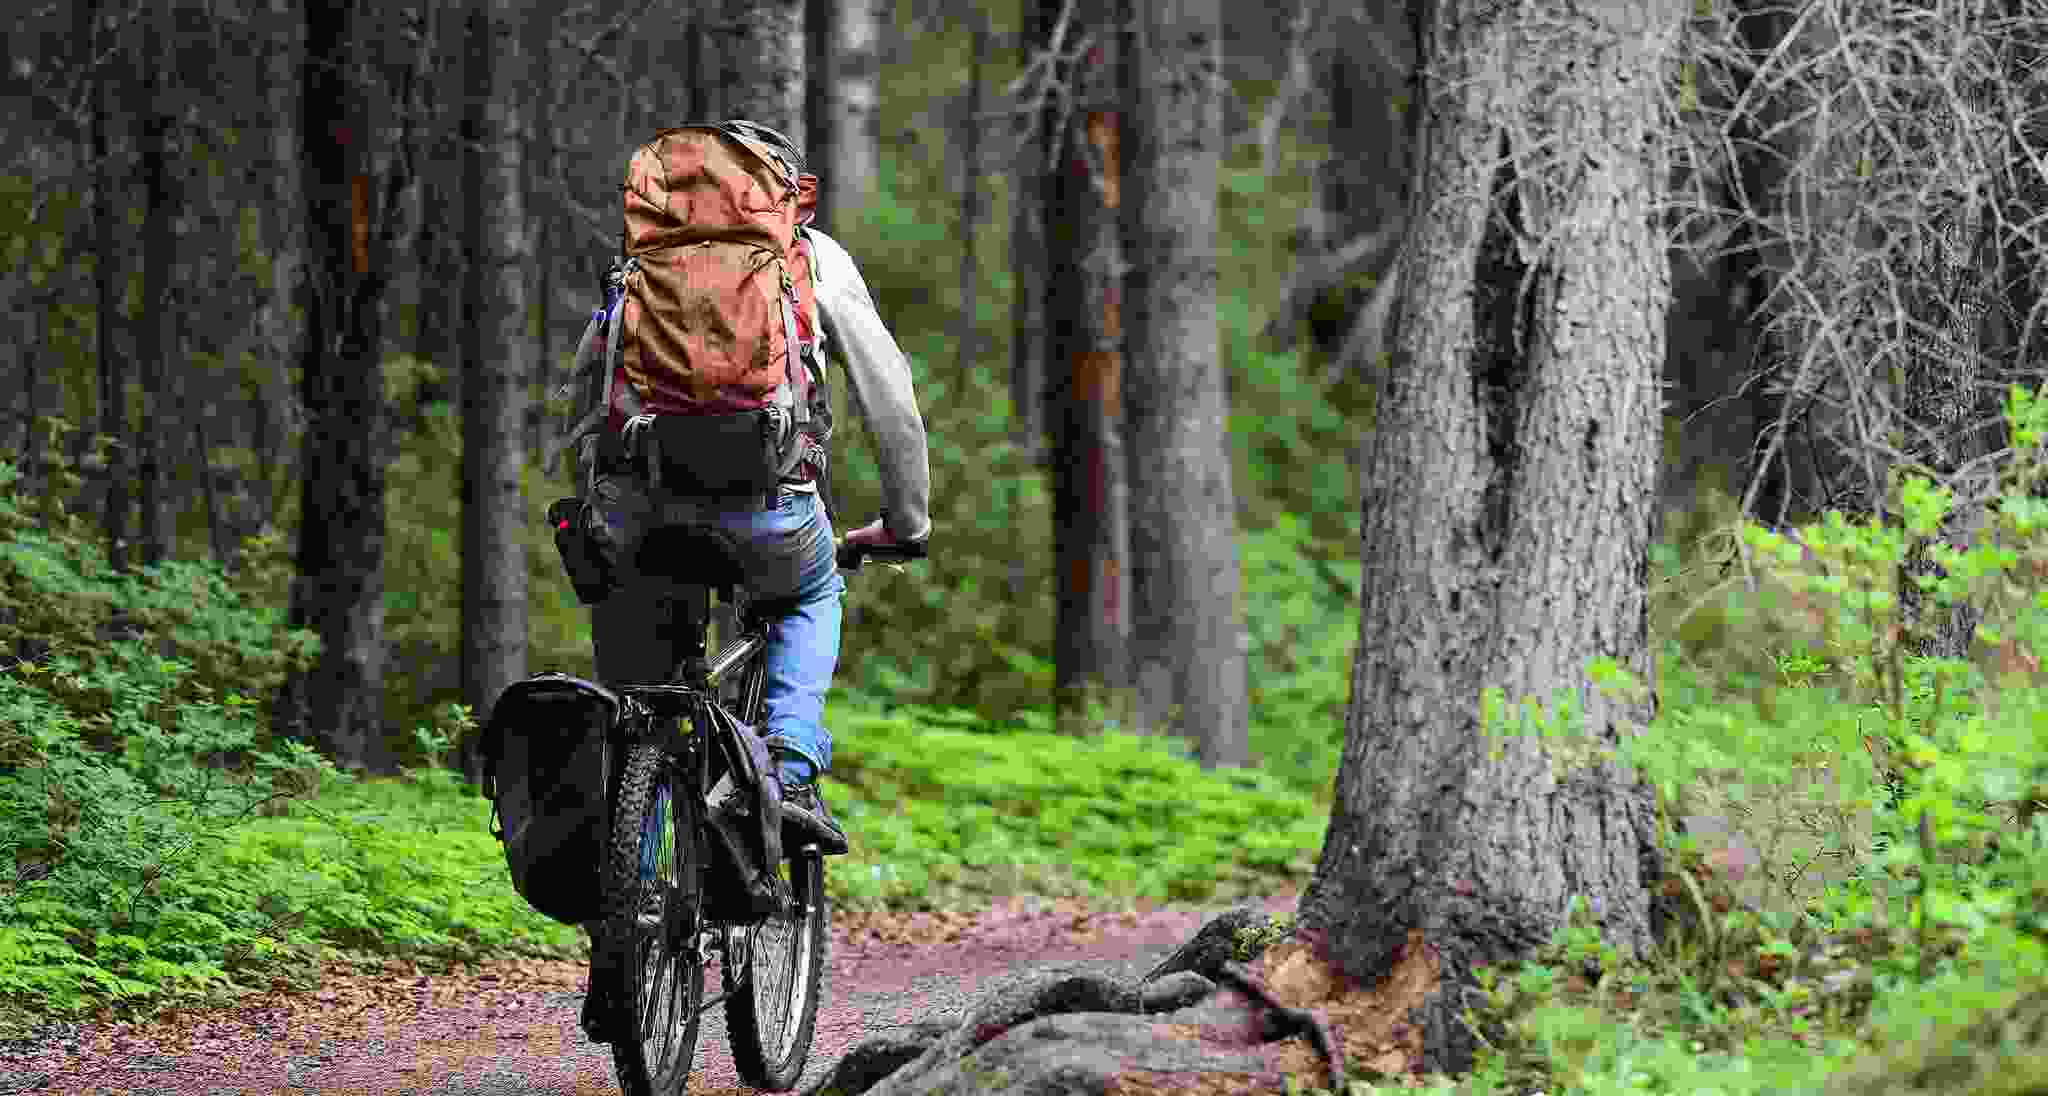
point(699, 555)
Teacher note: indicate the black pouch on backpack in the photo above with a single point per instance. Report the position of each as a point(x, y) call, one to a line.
point(581, 558)
point(716, 455)
point(545, 768)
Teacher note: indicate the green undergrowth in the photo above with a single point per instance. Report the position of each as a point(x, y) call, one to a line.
point(1856, 847)
point(162, 846)
point(944, 815)
point(950, 811)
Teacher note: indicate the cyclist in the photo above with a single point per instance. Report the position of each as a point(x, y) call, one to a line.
point(785, 545)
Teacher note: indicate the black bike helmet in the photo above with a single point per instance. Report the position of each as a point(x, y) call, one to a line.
point(774, 139)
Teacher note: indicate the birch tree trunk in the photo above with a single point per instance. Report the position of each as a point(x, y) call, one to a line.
point(1084, 323)
point(845, 138)
point(1508, 509)
point(1185, 618)
point(497, 360)
point(761, 64)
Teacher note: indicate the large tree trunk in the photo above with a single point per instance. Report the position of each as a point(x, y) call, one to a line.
point(845, 135)
point(497, 361)
point(113, 378)
point(289, 302)
point(353, 182)
point(1189, 664)
point(761, 64)
point(1084, 263)
point(541, 213)
point(1508, 509)
point(154, 333)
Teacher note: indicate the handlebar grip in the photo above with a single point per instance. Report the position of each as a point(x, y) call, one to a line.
point(853, 553)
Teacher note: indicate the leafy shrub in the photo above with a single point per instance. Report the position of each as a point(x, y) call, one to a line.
point(1886, 806)
point(398, 866)
point(129, 744)
point(949, 809)
point(1300, 608)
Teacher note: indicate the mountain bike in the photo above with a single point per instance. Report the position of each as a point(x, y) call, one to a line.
point(698, 863)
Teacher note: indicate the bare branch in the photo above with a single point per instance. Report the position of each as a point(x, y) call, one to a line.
point(1300, 69)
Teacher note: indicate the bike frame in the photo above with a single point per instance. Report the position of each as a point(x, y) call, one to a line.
point(657, 712)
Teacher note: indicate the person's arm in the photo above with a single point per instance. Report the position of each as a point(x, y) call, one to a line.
point(879, 377)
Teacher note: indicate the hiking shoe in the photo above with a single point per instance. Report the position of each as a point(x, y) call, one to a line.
point(597, 1017)
point(804, 809)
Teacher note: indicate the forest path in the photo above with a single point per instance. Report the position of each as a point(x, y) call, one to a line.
point(508, 1028)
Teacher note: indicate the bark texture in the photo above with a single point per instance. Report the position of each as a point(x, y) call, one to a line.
point(287, 304)
point(846, 143)
point(1084, 324)
point(113, 373)
point(1189, 663)
point(1508, 507)
point(543, 213)
point(761, 64)
point(497, 360)
point(155, 331)
point(349, 135)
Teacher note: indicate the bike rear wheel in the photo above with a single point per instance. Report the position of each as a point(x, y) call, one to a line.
point(654, 907)
point(772, 1009)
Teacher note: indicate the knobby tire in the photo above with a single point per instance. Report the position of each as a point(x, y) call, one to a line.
point(769, 1019)
point(658, 976)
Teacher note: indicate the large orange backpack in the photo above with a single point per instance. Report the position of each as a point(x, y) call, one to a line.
point(710, 325)
point(720, 303)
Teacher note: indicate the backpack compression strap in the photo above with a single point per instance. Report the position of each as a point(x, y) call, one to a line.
point(800, 409)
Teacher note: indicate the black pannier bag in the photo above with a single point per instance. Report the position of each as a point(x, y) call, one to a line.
point(545, 770)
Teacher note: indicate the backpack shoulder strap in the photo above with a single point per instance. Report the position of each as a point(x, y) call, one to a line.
point(590, 414)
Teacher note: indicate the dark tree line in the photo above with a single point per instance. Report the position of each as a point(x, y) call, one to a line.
point(313, 226)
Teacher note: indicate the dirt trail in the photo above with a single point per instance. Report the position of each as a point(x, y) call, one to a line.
point(509, 1028)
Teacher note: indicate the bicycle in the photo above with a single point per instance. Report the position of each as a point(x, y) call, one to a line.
point(683, 876)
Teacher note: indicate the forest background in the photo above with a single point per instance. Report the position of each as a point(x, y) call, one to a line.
point(222, 323)
point(205, 452)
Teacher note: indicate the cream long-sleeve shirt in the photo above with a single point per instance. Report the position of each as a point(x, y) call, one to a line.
point(878, 374)
point(877, 371)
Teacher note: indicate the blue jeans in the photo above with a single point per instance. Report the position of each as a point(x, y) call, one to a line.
point(786, 553)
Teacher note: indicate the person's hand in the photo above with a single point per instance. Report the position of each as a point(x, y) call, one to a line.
point(874, 534)
point(875, 541)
